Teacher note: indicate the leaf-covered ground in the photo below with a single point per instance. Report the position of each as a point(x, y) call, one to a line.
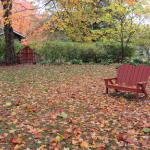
point(65, 108)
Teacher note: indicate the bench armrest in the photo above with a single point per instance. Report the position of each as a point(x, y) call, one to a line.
point(142, 83)
point(110, 80)
point(142, 86)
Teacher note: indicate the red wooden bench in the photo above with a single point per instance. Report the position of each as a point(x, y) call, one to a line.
point(130, 78)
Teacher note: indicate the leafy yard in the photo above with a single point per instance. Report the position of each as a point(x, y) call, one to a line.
point(65, 108)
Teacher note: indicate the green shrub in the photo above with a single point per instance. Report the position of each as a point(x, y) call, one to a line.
point(88, 52)
point(74, 52)
point(106, 62)
point(45, 62)
point(17, 45)
point(112, 51)
point(136, 61)
point(76, 61)
point(2, 47)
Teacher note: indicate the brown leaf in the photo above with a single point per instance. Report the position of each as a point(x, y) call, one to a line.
point(18, 140)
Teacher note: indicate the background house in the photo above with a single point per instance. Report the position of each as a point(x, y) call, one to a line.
point(17, 36)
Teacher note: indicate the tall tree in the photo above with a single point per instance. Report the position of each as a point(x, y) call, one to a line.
point(93, 20)
point(125, 16)
point(10, 56)
point(74, 18)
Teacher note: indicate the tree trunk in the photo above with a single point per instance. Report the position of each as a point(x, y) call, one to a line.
point(122, 42)
point(10, 56)
point(122, 50)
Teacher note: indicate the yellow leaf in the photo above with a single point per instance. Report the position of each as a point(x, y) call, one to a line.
point(84, 144)
point(74, 142)
point(1, 119)
point(59, 138)
point(42, 147)
point(13, 113)
point(18, 147)
point(8, 104)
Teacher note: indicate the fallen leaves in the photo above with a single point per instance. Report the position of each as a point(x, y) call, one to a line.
point(84, 144)
point(59, 138)
point(8, 104)
point(18, 140)
point(42, 147)
point(63, 115)
point(1, 118)
point(64, 108)
point(146, 130)
point(121, 137)
point(31, 108)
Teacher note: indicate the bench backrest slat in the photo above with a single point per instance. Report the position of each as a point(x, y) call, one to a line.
point(124, 73)
point(131, 75)
point(142, 73)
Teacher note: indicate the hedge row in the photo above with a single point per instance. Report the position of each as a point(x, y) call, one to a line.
point(76, 53)
point(59, 52)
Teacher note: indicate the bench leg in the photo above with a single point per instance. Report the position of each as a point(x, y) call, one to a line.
point(116, 90)
point(146, 95)
point(137, 95)
point(106, 90)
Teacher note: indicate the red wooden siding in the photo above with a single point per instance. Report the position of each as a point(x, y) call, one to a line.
point(27, 55)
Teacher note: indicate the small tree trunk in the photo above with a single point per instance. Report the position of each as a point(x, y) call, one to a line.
point(122, 50)
point(122, 42)
point(10, 56)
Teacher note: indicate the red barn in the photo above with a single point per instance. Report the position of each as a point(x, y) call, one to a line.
point(27, 55)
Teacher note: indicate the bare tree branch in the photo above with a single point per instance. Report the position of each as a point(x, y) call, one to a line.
point(26, 9)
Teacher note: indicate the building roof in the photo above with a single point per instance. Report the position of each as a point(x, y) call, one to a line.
point(15, 32)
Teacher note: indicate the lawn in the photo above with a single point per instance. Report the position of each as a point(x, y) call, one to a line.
point(64, 108)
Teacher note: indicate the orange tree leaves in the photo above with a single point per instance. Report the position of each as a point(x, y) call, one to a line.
point(24, 16)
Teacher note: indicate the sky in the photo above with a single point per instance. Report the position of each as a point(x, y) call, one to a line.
point(146, 21)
